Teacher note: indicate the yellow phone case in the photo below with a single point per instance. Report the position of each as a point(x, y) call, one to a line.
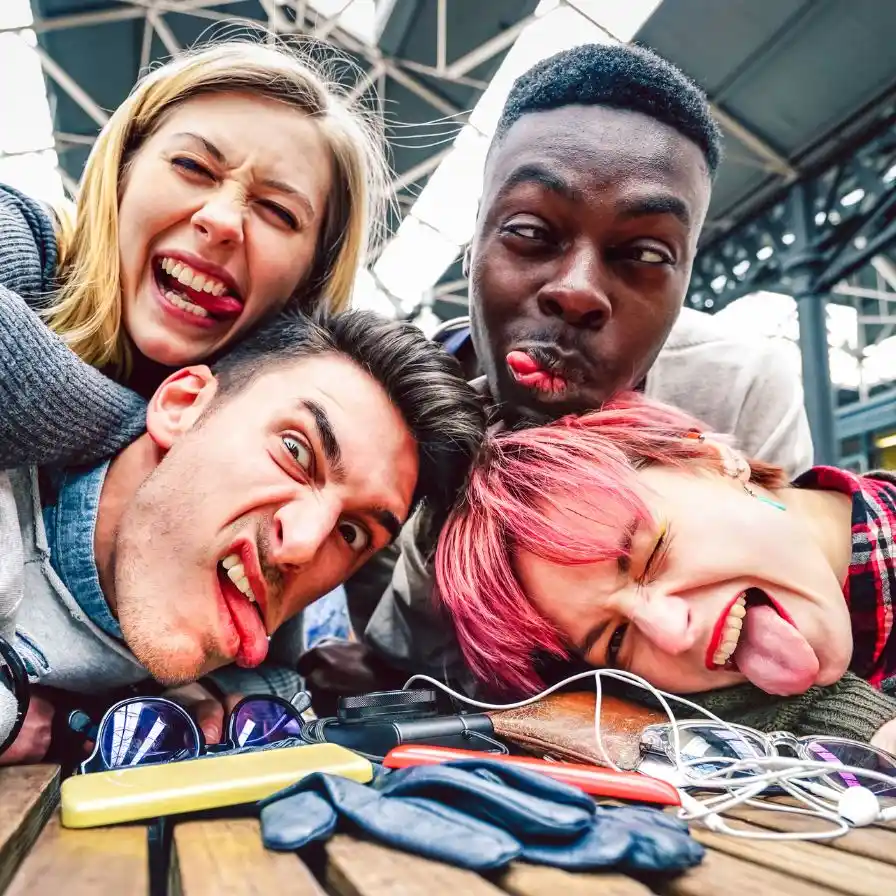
point(193, 785)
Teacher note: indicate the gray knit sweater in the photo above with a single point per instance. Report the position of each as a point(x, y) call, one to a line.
point(54, 408)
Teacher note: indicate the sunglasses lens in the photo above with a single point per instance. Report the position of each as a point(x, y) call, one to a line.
point(713, 742)
point(145, 732)
point(260, 722)
point(858, 756)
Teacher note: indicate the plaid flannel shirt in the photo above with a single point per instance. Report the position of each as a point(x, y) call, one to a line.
point(871, 585)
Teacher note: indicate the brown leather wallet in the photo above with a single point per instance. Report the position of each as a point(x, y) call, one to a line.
point(562, 727)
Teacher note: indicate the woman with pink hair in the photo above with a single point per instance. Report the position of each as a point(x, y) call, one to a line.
point(629, 538)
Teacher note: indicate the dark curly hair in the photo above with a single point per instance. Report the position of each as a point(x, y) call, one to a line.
point(621, 77)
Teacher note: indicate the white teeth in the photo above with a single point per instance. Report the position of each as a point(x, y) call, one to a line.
point(183, 273)
point(236, 572)
point(731, 632)
point(181, 302)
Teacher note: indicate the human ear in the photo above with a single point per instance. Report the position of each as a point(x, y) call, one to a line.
point(734, 464)
point(178, 403)
point(465, 264)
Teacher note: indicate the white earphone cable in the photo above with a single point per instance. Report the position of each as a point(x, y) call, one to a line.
point(790, 774)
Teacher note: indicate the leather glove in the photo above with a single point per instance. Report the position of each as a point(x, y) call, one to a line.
point(479, 815)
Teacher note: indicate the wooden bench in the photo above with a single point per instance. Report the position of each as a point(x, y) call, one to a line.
point(226, 858)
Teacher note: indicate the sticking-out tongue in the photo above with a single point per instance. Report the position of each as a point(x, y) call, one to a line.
point(773, 655)
point(527, 371)
point(253, 639)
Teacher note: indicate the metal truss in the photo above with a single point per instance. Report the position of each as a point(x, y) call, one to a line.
point(820, 231)
point(294, 17)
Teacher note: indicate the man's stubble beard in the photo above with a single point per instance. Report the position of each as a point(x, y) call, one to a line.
point(146, 539)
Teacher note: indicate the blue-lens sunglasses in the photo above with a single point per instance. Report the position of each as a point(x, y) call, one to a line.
point(149, 730)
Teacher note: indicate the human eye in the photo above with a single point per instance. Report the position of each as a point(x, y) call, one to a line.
point(282, 215)
point(191, 166)
point(614, 645)
point(355, 536)
point(658, 554)
point(299, 451)
point(526, 228)
point(650, 255)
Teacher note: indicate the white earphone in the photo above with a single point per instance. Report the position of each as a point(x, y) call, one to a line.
point(857, 806)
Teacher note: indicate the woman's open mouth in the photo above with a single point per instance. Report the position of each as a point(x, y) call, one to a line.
point(756, 638)
point(207, 298)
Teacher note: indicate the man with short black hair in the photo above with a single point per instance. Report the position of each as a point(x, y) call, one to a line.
point(257, 488)
point(596, 187)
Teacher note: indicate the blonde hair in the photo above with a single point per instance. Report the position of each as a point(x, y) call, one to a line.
point(87, 312)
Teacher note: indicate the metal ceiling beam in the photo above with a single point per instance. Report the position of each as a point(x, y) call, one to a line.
point(146, 45)
point(489, 48)
point(70, 86)
point(322, 31)
point(886, 269)
point(77, 20)
point(748, 138)
point(136, 10)
point(166, 35)
point(776, 162)
point(862, 292)
point(406, 178)
point(442, 36)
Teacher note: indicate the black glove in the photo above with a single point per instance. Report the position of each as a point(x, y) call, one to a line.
point(480, 815)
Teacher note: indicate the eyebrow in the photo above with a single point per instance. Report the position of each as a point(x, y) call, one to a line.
point(333, 453)
point(623, 564)
point(656, 205)
point(388, 521)
point(533, 173)
point(327, 438)
point(279, 185)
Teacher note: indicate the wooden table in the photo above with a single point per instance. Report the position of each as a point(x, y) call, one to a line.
point(226, 858)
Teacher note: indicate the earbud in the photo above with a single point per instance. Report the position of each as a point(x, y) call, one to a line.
point(859, 806)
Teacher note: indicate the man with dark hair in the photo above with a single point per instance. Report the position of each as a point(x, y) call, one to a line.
point(596, 187)
point(257, 488)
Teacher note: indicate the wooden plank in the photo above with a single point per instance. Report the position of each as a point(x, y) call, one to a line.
point(28, 795)
point(537, 880)
point(878, 842)
point(227, 858)
point(360, 868)
point(723, 874)
point(85, 862)
point(838, 870)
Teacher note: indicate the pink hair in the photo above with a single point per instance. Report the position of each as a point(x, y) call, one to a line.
point(518, 475)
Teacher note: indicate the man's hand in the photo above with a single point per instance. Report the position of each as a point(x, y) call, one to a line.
point(33, 739)
point(886, 737)
point(205, 708)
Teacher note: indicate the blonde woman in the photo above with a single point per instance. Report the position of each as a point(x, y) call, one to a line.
point(233, 181)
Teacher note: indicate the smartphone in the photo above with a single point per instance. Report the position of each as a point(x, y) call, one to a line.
point(195, 785)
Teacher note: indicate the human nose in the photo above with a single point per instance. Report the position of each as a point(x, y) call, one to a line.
point(575, 295)
point(665, 621)
point(220, 218)
point(300, 530)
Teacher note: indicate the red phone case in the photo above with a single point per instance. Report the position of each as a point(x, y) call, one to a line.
point(591, 778)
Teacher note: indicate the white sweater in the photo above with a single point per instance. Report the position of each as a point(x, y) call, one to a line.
point(748, 388)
